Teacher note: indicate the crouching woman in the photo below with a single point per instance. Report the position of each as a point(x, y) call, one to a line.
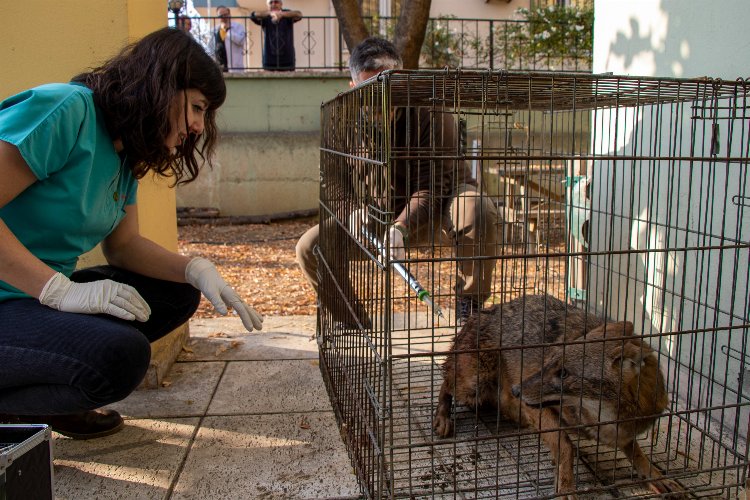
point(72, 341)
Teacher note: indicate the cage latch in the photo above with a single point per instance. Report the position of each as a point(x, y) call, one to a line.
point(715, 139)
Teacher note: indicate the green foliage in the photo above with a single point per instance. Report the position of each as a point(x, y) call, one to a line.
point(442, 46)
point(549, 37)
point(551, 33)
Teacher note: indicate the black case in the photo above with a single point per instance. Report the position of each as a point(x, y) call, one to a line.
point(25, 462)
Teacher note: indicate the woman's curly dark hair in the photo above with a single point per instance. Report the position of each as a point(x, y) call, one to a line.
point(134, 90)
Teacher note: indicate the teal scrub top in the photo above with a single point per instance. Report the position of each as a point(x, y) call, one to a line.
point(83, 184)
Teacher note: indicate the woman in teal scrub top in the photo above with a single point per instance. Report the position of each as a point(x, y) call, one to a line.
point(72, 341)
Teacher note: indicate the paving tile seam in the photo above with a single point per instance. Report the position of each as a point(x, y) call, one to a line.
point(284, 412)
point(245, 360)
point(188, 361)
point(209, 414)
point(191, 441)
point(165, 416)
point(269, 360)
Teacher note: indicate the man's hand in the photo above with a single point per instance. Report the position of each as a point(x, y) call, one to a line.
point(204, 276)
point(397, 242)
point(97, 297)
point(357, 221)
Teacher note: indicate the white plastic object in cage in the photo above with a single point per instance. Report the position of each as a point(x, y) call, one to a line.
point(579, 208)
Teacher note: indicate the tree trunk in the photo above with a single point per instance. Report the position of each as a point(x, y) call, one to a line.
point(410, 30)
point(350, 22)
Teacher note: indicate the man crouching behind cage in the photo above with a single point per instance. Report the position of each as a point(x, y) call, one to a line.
point(437, 199)
point(71, 340)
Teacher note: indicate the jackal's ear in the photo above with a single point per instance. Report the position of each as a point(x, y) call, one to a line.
point(620, 329)
point(630, 354)
point(609, 330)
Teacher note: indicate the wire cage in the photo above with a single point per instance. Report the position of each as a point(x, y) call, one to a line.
point(621, 198)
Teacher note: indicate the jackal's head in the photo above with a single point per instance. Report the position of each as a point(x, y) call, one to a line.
point(608, 364)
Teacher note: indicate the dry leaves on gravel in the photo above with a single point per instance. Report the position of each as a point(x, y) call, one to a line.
point(258, 261)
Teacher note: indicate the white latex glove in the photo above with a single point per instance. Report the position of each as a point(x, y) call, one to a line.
point(96, 297)
point(396, 238)
point(358, 220)
point(204, 276)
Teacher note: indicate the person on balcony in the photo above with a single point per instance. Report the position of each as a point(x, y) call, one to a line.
point(431, 200)
point(230, 39)
point(278, 35)
point(185, 23)
point(72, 341)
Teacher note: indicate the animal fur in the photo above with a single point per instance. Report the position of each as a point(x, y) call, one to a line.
point(603, 379)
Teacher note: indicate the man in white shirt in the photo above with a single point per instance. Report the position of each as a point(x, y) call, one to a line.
point(229, 41)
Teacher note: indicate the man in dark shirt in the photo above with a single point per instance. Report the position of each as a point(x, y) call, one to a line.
point(278, 35)
point(431, 195)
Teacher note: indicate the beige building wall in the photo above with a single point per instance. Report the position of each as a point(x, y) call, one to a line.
point(477, 9)
point(51, 41)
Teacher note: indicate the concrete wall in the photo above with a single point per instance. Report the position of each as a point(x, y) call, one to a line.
point(680, 38)
point(675, 290)
point(674, 38)
point(267, 159)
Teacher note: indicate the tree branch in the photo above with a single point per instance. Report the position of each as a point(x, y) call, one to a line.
point(410, 30)
point(350, 22)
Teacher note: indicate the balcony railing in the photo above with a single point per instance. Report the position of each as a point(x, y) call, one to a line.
point(452, 42)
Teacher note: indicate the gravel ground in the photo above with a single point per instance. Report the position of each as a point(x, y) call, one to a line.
point(257, 260)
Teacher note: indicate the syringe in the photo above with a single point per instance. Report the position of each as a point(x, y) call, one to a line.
point(422, 294)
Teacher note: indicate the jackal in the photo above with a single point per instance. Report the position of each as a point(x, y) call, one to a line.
point(551, 366)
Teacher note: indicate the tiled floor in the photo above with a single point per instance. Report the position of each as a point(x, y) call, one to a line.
point(240, 416)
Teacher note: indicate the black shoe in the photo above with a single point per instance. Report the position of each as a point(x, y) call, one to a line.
point(86, 425)
point(465, 307)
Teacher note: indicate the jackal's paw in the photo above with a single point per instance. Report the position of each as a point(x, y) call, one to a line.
point(566, 489)
point(442, 425)
point(669, 489)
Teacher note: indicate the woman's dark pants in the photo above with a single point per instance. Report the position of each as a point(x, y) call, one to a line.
point(53, 362)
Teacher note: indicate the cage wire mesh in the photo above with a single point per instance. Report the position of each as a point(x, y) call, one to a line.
point(622, 197)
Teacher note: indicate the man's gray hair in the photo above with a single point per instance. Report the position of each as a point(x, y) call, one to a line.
point(374, 54)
